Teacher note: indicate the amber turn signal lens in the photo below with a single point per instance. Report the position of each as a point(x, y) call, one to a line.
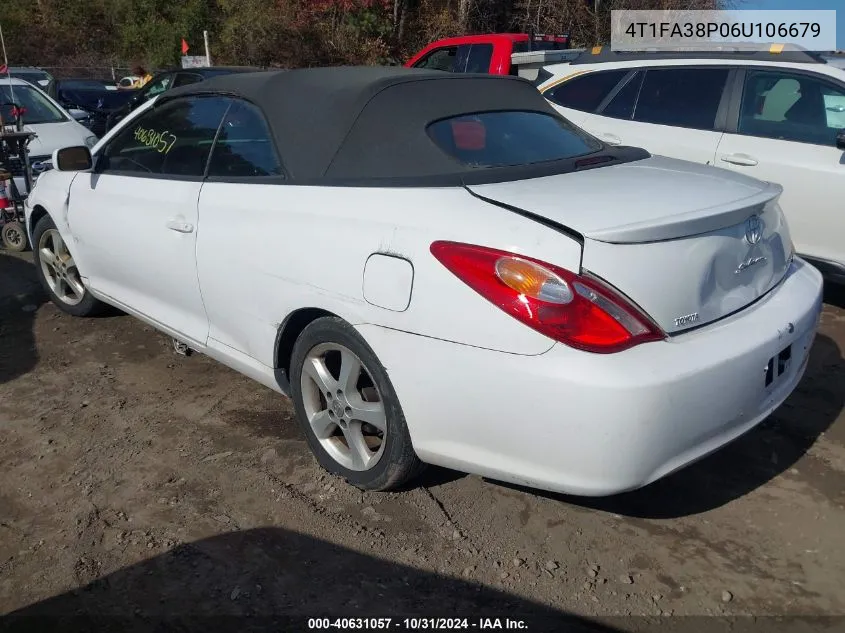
point(532, 280)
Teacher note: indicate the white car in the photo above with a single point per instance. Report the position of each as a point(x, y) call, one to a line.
point(54, 126)
point(439, 269)
point(779, 117)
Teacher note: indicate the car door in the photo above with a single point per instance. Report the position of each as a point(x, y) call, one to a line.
point(243, 195)
point(474, 58)
point(677, 112)
point(134, 217)
point(443, 58)
point(785, 131)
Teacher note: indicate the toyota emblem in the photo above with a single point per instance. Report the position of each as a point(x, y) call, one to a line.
point(753, 229)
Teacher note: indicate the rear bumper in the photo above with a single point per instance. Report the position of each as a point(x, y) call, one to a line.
point(832, 271)
point(592, 424)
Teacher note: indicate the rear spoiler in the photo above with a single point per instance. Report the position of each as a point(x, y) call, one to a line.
point(529, 64)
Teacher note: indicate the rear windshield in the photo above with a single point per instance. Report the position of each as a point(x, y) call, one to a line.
point(507, 139)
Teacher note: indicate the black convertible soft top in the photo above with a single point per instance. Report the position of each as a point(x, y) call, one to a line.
point(367, 124)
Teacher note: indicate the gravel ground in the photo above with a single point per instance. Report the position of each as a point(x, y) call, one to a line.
point(137, 481)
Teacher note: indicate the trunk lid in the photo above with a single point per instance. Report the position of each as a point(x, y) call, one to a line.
point(687, 243)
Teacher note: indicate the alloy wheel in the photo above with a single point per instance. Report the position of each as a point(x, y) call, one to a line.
point(59, 269)
point(343, 406)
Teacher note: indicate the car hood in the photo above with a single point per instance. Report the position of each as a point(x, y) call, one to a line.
point(53, 136)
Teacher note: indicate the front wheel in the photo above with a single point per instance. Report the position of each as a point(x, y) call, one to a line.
point(348, 409)
point(57, 271)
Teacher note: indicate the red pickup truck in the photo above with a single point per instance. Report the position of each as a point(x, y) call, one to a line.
point(489, 53)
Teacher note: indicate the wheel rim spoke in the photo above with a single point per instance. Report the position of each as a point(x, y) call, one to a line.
point(369, 412)
point(47, 256)
point(322, 425)
point(359, 452)
point(58, 245)
point(350, 372)
point(316, 369)
point(76, 287)
point(61, 288)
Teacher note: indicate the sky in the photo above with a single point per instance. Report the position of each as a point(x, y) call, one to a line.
point(801, 5)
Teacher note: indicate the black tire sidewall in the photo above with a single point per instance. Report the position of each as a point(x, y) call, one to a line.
point(89, 305)
point(399, 462)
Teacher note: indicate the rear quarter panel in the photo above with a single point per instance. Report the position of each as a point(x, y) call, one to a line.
point(265, 251)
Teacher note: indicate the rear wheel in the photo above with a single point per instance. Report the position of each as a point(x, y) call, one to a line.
point(57, 271)
point(348, 409)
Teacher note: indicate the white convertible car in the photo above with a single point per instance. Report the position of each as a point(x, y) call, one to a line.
point(439, 269)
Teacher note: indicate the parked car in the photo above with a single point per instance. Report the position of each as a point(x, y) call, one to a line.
point(35, 76)
point(98, 98)
point(779, 117)
point(167, 80)
point(487, 288)
point(490, 53)
point(55, 126)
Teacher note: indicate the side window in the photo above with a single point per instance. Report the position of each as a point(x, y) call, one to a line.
point(682, 97)
point(585, 92)
point(156, 86)
point(791, 107)
point(183, 79)
point(244, 148)
point(439, 59)
point(173, 139)
point(623, 103)
point(474, 58)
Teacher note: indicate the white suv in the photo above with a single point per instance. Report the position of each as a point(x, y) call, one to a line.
point(777, 117)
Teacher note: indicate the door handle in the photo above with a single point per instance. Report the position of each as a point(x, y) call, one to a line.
point(179, 226)
point(611, 139)
point(740, 159)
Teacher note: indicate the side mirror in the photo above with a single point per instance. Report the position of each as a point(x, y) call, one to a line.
point(73, 159)
point(79, 115)
point(840, 139)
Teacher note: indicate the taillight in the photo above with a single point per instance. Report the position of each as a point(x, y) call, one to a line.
point(567, 307)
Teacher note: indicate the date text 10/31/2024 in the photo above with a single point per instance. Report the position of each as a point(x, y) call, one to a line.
point(414, 624)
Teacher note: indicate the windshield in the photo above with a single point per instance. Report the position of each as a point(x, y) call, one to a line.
point(95, 99)
point(37, 107)
point(32, 76)
point(507, 139)
point(82, 84)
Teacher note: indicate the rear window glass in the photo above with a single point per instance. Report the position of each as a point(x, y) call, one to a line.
point(503, 139)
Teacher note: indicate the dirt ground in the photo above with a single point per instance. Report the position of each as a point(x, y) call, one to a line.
point(136, 481)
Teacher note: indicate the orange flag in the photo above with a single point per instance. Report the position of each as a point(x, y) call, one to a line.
point(184, 47)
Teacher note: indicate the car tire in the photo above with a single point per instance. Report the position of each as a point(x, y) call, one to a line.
point(57, 272)
point(14, 237)
point(340, 417)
